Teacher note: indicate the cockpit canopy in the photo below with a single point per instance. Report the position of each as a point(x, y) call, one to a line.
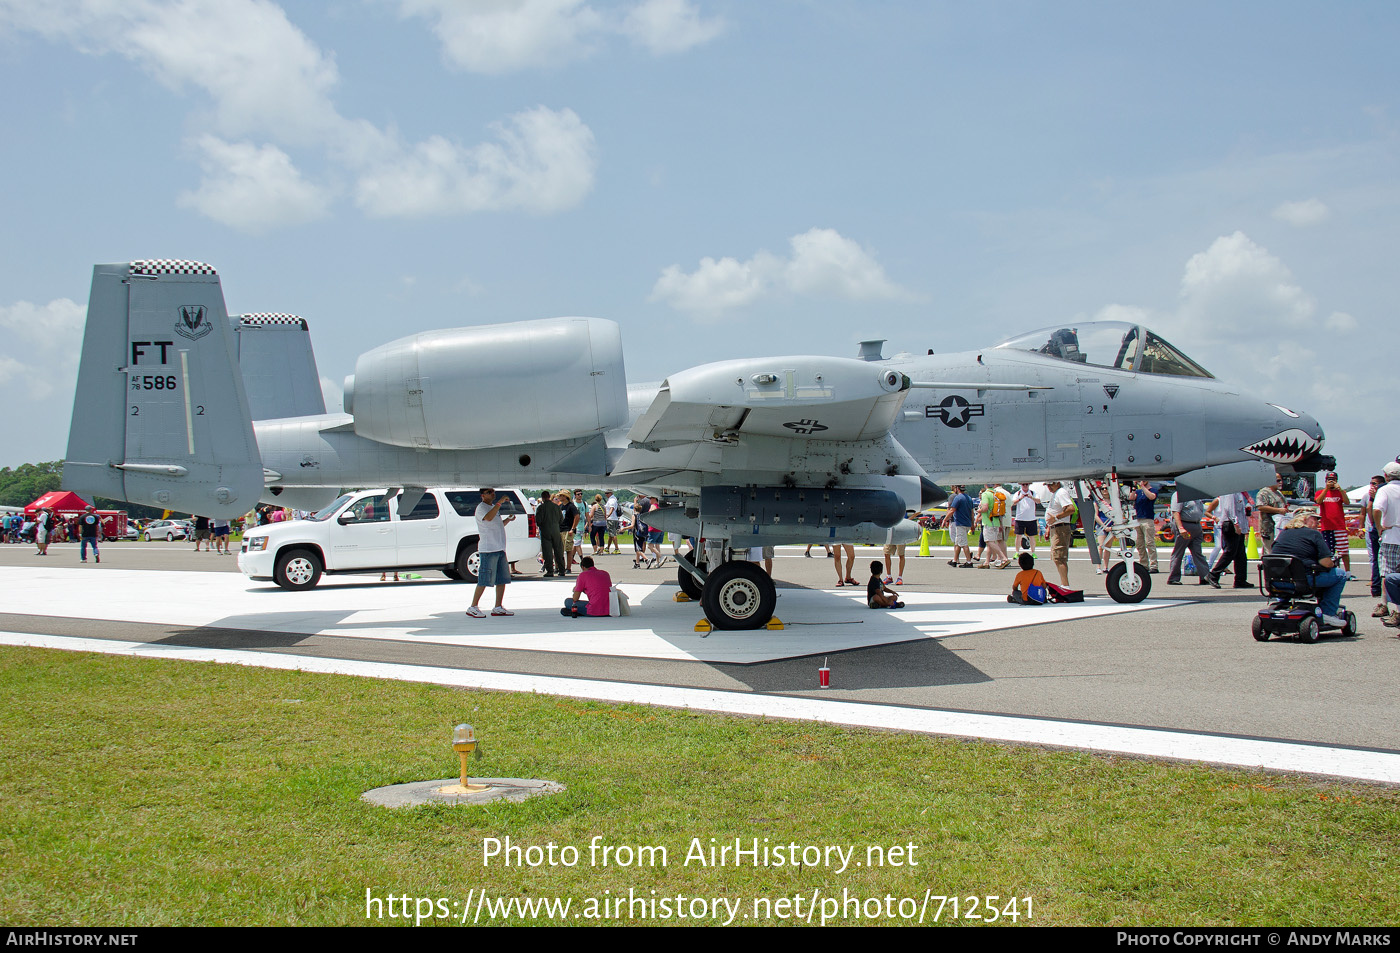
point(1116, 344)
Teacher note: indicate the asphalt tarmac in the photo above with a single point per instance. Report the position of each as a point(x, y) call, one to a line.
point(1187, 662)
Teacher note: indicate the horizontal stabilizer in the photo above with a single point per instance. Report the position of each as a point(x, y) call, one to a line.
point(160, 416)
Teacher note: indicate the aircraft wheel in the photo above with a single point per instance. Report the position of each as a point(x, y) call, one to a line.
point(297, 569)
point(739, 595)
point(468, 561)
point(1122, 590)
point(689, 584)
point(1308, 631)
point(1352, 627)
point(1257, 629)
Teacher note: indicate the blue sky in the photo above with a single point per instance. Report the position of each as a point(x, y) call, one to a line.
point(722, 178)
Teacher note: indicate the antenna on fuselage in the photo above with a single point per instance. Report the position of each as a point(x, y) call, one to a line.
point(870, 350)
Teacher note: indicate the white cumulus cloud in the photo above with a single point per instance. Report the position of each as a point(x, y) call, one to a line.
point(826, 263)
point(270, 89)
point(1243, 315)
point(669, 26)
point(1302, 214)
point(500, 36)
point(253, 188)
point(717, 285)
point(823, 263)
point(542, 160)
point(503, 36)
point(40, 344)
point(1237, 285)
point(262, 74)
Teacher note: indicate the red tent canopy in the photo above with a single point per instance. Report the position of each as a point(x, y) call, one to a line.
point(60, 501)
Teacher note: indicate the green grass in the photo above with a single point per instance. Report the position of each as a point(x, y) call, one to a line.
point(140, 791)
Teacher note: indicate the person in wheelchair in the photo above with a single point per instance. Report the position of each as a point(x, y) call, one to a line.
point(1303, 540)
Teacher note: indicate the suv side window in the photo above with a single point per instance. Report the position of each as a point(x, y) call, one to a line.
point(427, 509)
point(371, 509)
point(463, 501)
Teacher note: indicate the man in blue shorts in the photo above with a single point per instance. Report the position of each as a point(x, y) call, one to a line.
point(960, 512)
point(491, 548)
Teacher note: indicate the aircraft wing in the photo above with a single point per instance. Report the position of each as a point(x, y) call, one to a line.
point(824, 398)
point(804, 416)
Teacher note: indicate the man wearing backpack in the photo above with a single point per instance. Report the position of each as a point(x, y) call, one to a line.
point(1186, 520)
point(993, 513)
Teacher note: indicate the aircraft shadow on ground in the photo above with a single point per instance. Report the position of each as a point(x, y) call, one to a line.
point(871, 649)
point(229, 634)
point(926, 663)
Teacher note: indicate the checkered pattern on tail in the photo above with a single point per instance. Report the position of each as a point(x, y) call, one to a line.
point(171, 266)
point(270, 317)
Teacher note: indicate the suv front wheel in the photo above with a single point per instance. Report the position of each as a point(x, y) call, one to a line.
point(297, 569)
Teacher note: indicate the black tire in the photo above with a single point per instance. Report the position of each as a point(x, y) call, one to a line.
point(688, 583)
point(468, 562)
point(739, 595)
point(1352, 628)
point(1308, 631)
point(297, 569)
point(1260, 633)
point(451, 573)
point(1117, 586)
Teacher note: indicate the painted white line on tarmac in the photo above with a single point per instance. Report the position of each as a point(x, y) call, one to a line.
point(1240, 752)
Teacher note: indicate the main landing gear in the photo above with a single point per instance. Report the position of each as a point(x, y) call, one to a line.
point(736, 595)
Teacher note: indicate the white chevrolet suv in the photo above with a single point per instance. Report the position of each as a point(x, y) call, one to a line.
point(368, 531)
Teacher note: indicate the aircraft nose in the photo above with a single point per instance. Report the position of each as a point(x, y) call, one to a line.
point(1295, 437)
point(1308, 423)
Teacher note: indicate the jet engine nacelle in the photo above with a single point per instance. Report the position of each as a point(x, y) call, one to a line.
point(489, 386)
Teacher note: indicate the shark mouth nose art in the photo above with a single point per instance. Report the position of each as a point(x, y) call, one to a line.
point(1286, 447)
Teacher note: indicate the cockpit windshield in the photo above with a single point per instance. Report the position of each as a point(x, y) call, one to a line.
point(1116, 344)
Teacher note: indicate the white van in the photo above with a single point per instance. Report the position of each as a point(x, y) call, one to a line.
point(367, 531)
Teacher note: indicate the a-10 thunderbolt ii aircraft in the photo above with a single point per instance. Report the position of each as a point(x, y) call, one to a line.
point(180, 406)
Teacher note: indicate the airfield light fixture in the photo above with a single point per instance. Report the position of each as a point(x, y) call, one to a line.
point(464, 743)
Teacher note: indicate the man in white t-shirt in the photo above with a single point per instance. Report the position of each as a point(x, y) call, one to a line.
point(614, 518)
point(491, 549)
point(1059, 523)
point(1385, 510)
point(1027, 527)
point(1231, 513)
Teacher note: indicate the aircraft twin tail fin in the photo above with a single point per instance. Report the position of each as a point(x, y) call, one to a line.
point(278, 366)
point(160, 415)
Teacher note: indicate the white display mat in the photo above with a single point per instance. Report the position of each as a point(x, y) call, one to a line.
point(433, 611)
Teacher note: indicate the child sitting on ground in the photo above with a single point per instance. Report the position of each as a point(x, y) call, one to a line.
point(1028, 589)
point(877, 594)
